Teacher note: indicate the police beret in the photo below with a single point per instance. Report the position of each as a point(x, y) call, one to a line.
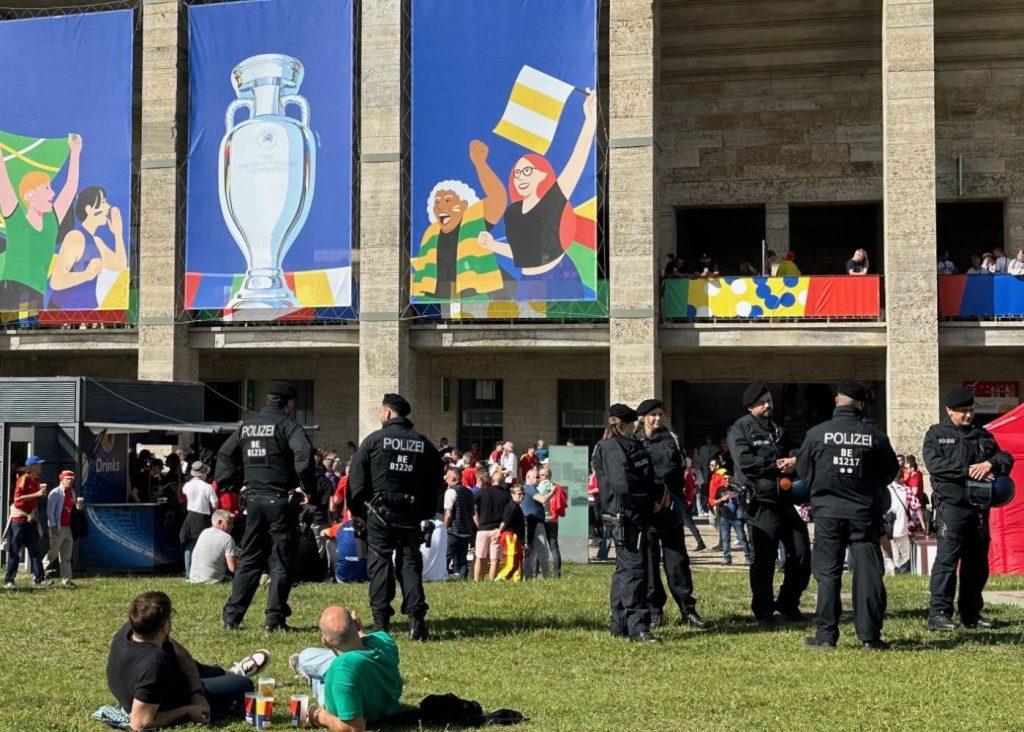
point(623, 412)
point(282, 389)
point(853, 389)
point(398, 403)
point(959, 399)
point(753, 392)
point(649, 405)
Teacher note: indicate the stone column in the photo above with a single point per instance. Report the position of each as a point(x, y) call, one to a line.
point(776, 227)
point(635, 358)
point(383, 338)
point(908, 152)
point(1013, 226)
point(164, 354)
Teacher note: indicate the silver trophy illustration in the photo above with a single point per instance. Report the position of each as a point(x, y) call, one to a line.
point(266, 175)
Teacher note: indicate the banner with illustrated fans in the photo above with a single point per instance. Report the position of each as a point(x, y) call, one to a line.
point(65, 167)
point(504, 172)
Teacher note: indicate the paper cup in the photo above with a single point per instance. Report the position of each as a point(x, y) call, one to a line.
point(264, 711)
point(250, 708)
point(298, 707)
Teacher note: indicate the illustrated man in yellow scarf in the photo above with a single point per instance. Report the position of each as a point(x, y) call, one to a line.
point(450, 264)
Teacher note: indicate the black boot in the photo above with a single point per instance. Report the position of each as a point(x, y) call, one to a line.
point(418, 629)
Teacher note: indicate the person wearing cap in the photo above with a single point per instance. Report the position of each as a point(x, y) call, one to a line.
point(666, 538)
point(276, 459)
point(60, 504)
point(848, 464)
point(757, 447)
point(629, 499)
point(200, 502)
point(705, 267)
point(395, 486)
point(24, 527)
point(958, 451)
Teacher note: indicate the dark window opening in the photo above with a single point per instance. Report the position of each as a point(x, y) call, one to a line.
point(968, 228)
point(823, 238)
point(481, 413)
point(582, 405)
point(730, 235)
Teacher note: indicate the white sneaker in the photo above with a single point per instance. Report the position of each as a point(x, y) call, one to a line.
point(9, 586)
point(252, 665)
point(44, 583)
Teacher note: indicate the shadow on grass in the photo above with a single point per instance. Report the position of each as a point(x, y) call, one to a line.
point(462, 627)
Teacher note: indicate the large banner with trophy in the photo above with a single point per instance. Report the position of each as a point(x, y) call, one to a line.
point(65, 167)
point(504, 174)
point(269, 222)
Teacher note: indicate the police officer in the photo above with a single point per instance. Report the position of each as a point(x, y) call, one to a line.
point(848, 464)
point(629, 498)
point(956, 452)
point(276, 457)
point(756, 446)
point(665, 537)
point(394, 485)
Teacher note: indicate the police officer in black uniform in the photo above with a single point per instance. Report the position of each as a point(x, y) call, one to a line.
point(394, 485)
point(848, 465)
point(756, 446)
point(956, 452)
point(665, 537)
point(629, 499)
point(276, 457)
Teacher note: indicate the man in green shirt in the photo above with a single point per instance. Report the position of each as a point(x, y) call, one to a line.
point(361, 683)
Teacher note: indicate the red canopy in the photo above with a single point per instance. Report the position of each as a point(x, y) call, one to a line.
point(1006, 556)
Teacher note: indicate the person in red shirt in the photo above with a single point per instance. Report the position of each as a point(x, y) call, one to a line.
point(469, 473)
point(24, 529)
point(339, 501)
point(527, 462)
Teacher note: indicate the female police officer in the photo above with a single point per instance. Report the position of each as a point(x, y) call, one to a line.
point(629, 499)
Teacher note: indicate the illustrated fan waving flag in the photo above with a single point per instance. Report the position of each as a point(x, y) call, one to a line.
point(534, 108)
point(24, 154)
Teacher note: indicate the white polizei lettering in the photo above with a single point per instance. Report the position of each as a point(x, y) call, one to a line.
point(947, 441)
point(403, 444)
point(258, 430)
point(854, 439)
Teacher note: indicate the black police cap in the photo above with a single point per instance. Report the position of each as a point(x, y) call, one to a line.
point(398, 403)
point(753, 392)
point(853, 389)
point(959, 399)
point(282, 390)
point(623, 412)
point(649, 405)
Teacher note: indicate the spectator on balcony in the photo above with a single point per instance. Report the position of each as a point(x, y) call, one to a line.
point(945, 265)
point(747, 270)
point(988, 263)
point(1000, 260)
point(858, 264)
point(1016, 265)
point(975, 267)
point(670, 272)
point(705, 267)
point(787, 267)
point(682, 269)
point(771, 263)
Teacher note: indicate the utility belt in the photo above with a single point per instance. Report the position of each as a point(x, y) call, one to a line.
point(394, 509)
point(626, 529)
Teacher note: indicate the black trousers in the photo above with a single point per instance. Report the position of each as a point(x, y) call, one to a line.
point(382, 541)
point(631, 615)
point(963, 539)
point(269, 543)
point(831, 538)
point(796, 571)
point(667, 545)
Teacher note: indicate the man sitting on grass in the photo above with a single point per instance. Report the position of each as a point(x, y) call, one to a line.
point(215, 554)
point(355, 675)
point(158, 682)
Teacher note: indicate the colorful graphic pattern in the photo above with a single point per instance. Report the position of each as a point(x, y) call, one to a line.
point(981, 296)
point(205, 295)
point(773, 297)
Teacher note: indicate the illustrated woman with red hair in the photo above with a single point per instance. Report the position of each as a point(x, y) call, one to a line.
point(540, 222)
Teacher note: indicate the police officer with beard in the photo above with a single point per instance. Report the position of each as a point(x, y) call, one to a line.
point(394, 485)
point(958, 452)
point(665, 537)
point(629, 500)
point(756, 446)
point(848, 465)
point(276, 457)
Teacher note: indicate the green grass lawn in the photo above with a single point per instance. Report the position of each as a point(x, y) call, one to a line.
point(543, 648)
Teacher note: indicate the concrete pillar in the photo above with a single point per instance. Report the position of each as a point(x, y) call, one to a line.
point(908, 150)
point(383, 338)
point(776, 227)
point(633, 201)
point(164, 354)
point(1013, 226)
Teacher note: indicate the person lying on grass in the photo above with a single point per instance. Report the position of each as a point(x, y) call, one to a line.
point(156, 680)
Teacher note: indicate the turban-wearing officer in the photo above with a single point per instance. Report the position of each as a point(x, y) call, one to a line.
point(756, 446)
point(629, 498)
point(394, 485)
point(958, 452)
point(848, 464)
point(665, 538)
point(276, 457)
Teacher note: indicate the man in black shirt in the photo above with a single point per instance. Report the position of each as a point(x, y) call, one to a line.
point(490, 505)
point(157, 681)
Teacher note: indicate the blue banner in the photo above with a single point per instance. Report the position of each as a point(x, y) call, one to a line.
point(269, 223)
point(105, 470)
point(504, 178)
point(65, 176)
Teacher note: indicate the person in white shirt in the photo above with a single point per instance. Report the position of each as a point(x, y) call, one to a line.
point(988, 263)
point(509, 462)
point(1016, 265)
point(900, 539)
point(201, 501)
point(215, 554)
point(999, 260)
point(945, 265)
point(975, 267)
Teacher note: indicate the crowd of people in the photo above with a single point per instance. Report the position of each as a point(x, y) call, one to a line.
point(990, 262)
point(676, 266)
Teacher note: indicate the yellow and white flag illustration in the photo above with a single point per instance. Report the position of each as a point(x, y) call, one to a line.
point(534, 108)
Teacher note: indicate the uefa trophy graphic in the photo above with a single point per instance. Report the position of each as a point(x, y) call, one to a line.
point(266, 175)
